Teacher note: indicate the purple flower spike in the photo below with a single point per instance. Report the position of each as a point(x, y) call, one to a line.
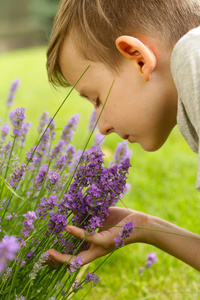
point(43, 121)
point(28, 224)
point(91, 277)
point(25, 128)
point(98, 139)
point(13, 87)
point(128, 228)
point(52, 128)
point(119, 242)
point(122, 152)
point(151, 259)
point(93, 120)
point(57, 149)
point(30, 254)
point(9, 246)
point(46, 206)
point(21, 298)
point(38, 265)
point(4, 131)
point(7, 274)
point(17, 117)
point(53, 177)
point(75, 265)
point(69, 129)
point(18, 175)
point(57, 223)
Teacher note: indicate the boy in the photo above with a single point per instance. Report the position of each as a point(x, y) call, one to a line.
point(152, 49)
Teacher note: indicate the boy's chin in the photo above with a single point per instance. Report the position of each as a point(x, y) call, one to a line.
point(152, 146)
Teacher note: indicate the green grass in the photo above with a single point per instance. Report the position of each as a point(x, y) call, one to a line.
point(163, 184)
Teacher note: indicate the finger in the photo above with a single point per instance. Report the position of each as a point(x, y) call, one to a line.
point(58, 257)
point(55, 257)
point(97, 238)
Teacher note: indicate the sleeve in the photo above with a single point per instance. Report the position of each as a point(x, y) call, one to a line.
point(185, 66)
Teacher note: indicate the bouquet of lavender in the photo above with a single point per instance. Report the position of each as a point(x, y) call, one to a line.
point(53, 186)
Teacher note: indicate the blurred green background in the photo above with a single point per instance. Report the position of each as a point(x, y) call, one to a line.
point(162, 183)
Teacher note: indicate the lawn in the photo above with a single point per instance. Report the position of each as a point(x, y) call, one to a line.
point(162, 184)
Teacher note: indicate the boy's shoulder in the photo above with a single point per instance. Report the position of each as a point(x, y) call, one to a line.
point(186, 56)
point(187, 42)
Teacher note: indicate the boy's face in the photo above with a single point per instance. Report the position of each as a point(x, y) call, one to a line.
point(140, 111)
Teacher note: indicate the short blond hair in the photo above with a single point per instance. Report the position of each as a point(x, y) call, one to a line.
point(99, 22)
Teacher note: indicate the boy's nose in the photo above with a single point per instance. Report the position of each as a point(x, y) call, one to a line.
point(104, 127)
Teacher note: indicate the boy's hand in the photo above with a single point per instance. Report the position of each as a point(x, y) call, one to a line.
point(102, 242)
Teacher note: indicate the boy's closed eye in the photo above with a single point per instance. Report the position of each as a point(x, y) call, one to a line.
point(96, 102)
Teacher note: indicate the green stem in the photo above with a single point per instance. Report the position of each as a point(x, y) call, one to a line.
point(56, 114)
point(7, 167)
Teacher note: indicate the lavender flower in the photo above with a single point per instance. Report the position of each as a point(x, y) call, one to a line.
point(39, 178)
point(9, 246)
point(30, 254)
point(17, 176)
point(38, 265)
point(53, 178)
point(29, 154)
point(17, 117)
point(60, 163)
point(75, 265)
point(76, 285)
point(91, 277)
point(93, 120)
point(22, 261)
point(25, 128)
point(13, 87)
point(43, 121)
point(52, 128)
point(46, 206)
point(23, 243)
point(57, 149)
point(151, 259)
point(98, 139)
point(4, 131)
point(28, 224)
point(7, 274)
point(57, 223)
point(75, 161)
point(69, 129)
point(122, 152)
point(10, 216)
point(127, 229)
point(20, 298)
point(95, 188)
point(119, 243)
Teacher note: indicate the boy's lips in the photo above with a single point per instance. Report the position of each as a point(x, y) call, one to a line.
point(125, 137)
point(129, 139)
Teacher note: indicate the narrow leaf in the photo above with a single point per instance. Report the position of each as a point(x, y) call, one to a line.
point(10, 188)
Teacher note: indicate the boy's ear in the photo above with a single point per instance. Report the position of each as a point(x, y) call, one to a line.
point(132, 48)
